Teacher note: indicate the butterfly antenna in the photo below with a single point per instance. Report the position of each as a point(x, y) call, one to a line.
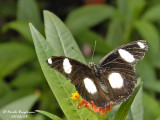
point(94, 49)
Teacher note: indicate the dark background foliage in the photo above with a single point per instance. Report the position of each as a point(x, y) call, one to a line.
point(21, 78)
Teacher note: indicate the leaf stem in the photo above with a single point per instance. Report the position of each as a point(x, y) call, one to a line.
point(98, 115)
point(107, 114)
point(94, 113)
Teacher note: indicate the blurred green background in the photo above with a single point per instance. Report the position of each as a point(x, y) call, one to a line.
point(111, 23)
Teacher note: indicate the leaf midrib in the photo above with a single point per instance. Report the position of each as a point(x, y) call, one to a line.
point(63, 49)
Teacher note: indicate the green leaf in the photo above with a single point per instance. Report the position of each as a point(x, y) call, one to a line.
point(24, 104)
point(122, 6)
point(125, 106)
point(89, 37)
point(52, 116)
point(13, 95)
point(62, 88)
point(19, 26)
point(28, 10)
point(157, 118)
point(36, 117)
point(114, 35)
point(4, 88)
point(138, 103)
point(25, 79)
point(96, 58)
point(151, 107)
point(15, 55)
point(129, 115)
point(88, 16)
point(130, 8)
point(152, 13)
point(149, 32)
point(144, 68)
point(60, 38)
point(154, 86)
point(136, 7)
point(150, 80)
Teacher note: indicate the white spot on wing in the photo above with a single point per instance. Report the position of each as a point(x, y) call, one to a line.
point(141, 45)
point(90, 86)
point(126, 55)
point(115, 80)
point(49, 61)
point(67, 66)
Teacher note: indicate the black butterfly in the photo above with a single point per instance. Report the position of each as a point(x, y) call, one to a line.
point(111, 81)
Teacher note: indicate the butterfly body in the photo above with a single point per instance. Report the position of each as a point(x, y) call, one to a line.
point(111, 81)
point(94, 69)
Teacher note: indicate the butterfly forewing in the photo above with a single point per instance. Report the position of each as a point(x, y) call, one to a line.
point(137, 49)
point(81, 76)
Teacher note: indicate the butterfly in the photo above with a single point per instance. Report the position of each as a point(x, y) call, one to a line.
point(112, 81)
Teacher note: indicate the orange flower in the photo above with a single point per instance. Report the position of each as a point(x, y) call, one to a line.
point(102, 111)
point(95, 108)
point(84, 103)
point(108, 108)
point(112, 104)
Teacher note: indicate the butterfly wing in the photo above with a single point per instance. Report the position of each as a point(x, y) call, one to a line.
point(118, 72)
point(81, 76)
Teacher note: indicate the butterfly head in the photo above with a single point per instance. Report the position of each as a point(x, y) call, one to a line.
point(91, 64)
point(94, 69)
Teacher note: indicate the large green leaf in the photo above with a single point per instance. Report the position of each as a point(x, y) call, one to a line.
point(58, 35)
point(154, 86)
point(135, 7)
point(125, 107)
point(13, 55)
point(137, 114)
point(19, 26)
point(144, 68)
point(88, 16)
point(35, 117)
point(149, 32)
point(52, 116)
point(151, 107)
point(13, 95)
point(89, 37)
point(25, 79)
point(152, 13)
point(4, 88)
point(150, 80)
point(28, 10)
point(60, 38)
point(122, 6)
point(114, 35)
point(131, 8)
point(23, 104)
